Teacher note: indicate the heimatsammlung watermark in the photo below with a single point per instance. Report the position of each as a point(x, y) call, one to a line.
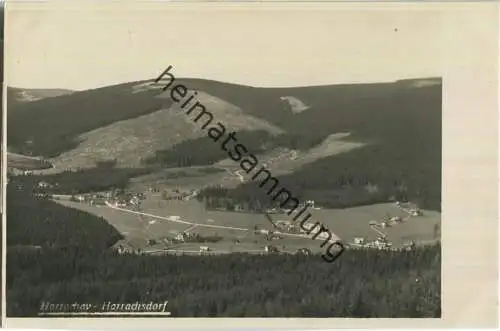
point(249, 162)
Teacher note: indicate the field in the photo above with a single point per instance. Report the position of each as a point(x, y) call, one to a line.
point(344, 223)
point(26, 162)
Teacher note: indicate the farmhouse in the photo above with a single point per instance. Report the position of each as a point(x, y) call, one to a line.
point(179, 237)
point(396, 219)
point(129, 246)
point(304, 251)
point(271, 249)
point(97, 202)
point(273, 236)
point(359, 240)
point(44, 184)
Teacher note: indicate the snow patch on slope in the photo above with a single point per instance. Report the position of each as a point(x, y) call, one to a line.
point(295, 103)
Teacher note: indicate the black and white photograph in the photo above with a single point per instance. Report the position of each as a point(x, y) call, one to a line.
point(219, 162)
point(2, 162)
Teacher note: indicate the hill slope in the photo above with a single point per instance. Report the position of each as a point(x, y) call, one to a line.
point(113, 122)
point(397, 124)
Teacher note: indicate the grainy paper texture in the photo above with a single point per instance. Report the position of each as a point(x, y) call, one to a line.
point(241, 161)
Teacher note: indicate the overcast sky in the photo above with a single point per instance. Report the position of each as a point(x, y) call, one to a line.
point(253, 45)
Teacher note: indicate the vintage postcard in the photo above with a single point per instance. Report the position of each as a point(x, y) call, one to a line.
point(220, 164)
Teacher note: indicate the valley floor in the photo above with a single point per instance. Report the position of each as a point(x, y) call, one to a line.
point(158, 219)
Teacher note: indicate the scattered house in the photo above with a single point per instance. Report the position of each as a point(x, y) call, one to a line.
point(294, 228)
point(396, 219)
point(238, 208)
point(44, 184)
point(304, 251)
point(409, 245)
point(380, 244)
point(416, 212)
point(119, 203)
point(204, 249)
point(273, 236)
point(310, 203)
point(323, 235)
point(123, 249)
point(359, 240)
point(97, 202)
point(384, 224)
point(309, 226)
point(283, 223)
point(167, 241)
point(373, 223)
point(179, 237)
point(262, 231)
point(271, 249)
point(129, 246)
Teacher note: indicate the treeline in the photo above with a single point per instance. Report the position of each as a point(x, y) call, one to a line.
point(341, 181)
point(204, 151)
point(253, 198)
point(362, 283)
point(218, 197)
point(75, 264)
point(356, 177)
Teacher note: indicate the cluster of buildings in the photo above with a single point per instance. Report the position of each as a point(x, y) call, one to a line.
point(391, 221)
point(290, 227)
point(275, 249)
point(91, 199)
point(380, 243)
point(19, 172)
point(176, 194)
point(410, 208)
point(133, 200)
point(185, 236)
point(270, 235)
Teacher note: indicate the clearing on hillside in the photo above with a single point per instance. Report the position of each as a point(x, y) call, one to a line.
point(133, 140)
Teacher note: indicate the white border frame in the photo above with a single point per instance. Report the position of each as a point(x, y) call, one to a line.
point(470, 175)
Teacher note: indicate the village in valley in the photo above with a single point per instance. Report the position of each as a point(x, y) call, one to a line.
point(150, 229)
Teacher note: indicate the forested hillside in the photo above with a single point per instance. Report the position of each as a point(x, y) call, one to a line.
point(204, 151)
point(41, 222)
point(50, 126)
point(62, 256)
point(362, 283)
point(400, 124)
point(367, 175)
